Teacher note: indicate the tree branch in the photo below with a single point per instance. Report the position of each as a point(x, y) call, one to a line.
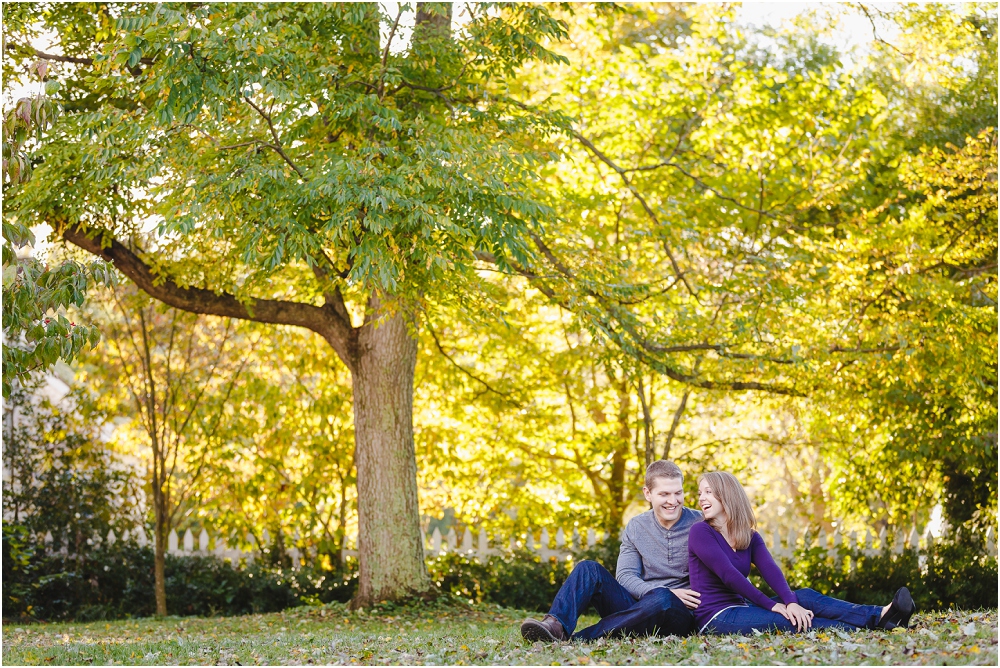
point(642, 200)
point(883, 349)
point(673, 425)
point(277, 141)
point(871, 19)
point(388, 41)
point(324, 320)
point(644, 347)
point(75, 60)
point(57, 58)
point(437, 342)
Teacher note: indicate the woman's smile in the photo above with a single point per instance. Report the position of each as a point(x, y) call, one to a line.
point(710, 506)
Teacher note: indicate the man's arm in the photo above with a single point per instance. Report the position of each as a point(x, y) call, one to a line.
point(628, 572)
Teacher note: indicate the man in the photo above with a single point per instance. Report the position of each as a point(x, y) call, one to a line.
point(650, 595)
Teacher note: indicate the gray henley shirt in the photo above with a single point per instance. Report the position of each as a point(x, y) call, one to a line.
point(652, 556)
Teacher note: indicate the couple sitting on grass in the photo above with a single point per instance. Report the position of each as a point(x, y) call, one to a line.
point(680, 570)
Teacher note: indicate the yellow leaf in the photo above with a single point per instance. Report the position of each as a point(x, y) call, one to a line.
point(260, 49)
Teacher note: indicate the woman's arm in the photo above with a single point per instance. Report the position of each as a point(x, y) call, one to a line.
point(769, 570)
point(704, 545)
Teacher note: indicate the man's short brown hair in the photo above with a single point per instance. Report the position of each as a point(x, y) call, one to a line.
point(662, 468)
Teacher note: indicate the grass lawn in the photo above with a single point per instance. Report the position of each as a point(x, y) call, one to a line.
point(483, 634)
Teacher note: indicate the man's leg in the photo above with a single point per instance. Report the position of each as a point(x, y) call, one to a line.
point(588, 583)
point(853, 614)
point(658, 612)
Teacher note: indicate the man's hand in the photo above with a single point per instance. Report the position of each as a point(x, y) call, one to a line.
point(796, 614)
point(688, 597)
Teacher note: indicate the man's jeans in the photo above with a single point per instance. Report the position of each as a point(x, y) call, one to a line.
point(829, 613)
point(659, 612)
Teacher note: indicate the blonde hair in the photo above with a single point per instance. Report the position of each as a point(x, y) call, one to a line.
point(741, 522)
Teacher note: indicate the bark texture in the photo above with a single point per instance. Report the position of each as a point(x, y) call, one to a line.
point(617, 498)
point(389, 542)
point(160, 569)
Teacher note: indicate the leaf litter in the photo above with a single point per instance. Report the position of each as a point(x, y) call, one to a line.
point(489, 635)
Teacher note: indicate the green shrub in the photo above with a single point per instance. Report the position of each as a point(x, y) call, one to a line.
point(117, 581)
point(960, 575)
point(518, 580)
point(60, 476)
point(514, 579)
point(604, 552)
point(955, 572)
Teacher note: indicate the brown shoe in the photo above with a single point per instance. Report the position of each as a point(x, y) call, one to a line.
point(547, 630)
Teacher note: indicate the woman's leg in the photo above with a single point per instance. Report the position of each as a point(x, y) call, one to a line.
point(851, 614)
point(746, 619)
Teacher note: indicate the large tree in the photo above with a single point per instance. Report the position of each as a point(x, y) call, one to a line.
point(302, 166)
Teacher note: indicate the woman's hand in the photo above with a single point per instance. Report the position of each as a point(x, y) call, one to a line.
point(796, 614)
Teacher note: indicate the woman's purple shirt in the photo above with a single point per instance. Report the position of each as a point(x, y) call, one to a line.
point(719, 573)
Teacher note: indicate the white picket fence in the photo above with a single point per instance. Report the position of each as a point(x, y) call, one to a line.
point(548, 545)
point(436, 545)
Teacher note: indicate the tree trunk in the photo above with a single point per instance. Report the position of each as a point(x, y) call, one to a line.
point(616, 483)
point(390, 549)
point(159, 561)
point(648, 442)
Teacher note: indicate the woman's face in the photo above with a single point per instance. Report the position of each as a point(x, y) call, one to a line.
point(710, 506)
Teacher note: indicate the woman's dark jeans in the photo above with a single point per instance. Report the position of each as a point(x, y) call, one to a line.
point(659, 612)
point(829, 613)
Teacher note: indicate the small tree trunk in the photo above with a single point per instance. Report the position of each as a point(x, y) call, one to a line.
point(647, 424)
point(160, 561)
point(616, 482)
point(391, 553)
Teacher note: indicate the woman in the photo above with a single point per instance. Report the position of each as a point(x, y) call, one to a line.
point(720, 551)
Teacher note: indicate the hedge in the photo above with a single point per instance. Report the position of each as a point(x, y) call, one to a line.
point(117, 581)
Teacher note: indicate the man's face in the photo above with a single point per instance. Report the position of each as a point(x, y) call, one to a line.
point(667, 498)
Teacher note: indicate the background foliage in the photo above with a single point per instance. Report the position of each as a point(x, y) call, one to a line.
point(753, 250)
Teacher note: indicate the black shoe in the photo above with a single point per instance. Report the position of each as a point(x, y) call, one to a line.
point(899, 612)
point(547, 630)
